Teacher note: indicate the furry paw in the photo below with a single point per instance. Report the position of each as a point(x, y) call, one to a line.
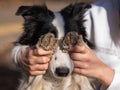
point(47, 42)
point(71, 39)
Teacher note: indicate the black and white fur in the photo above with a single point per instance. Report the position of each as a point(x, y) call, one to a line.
point(39, 20)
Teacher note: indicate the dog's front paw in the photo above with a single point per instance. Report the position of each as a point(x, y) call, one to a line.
point(47, 42)
point(71, 39)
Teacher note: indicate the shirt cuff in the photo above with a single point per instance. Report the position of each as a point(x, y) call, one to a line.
point(115, 85)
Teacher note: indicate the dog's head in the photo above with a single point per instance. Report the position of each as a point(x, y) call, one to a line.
point(39, 20)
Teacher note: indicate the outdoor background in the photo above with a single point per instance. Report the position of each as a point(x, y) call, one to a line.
point(10, 30)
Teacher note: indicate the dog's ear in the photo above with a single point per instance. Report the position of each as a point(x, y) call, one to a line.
point(22, 10)
point(32, 11)
point(78, 9)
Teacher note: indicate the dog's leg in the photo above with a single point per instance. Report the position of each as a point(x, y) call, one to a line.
point(37, 84)
point(26, 82)
point(31, 83)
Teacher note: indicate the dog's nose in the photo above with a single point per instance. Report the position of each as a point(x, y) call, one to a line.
point(62, 71)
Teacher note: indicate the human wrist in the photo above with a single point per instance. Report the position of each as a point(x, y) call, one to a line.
point(106, 76)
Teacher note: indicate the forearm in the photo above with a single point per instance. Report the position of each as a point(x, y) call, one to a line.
point(115, 84)
point(109, 78)
point(106, 76)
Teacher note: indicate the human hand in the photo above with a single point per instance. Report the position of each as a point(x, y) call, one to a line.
point(87, 63)
point(35, 61)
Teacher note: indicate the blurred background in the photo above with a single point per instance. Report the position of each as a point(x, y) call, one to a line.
point(10, 30)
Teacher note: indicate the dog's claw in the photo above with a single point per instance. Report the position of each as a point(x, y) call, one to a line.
point(47, 42)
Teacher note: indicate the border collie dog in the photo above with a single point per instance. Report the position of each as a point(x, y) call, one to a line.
point(40, 21)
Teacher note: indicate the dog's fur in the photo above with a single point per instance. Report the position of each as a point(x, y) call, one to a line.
point(39, 20)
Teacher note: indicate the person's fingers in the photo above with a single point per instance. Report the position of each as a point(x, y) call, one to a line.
point(77, 56)
point(34, 73)
point(78, 49)
point(39, 60)
point(42, 60)
point(32, 59)
point(80, 64)
point(38, 67)
point(41, 52)
point(80, 71)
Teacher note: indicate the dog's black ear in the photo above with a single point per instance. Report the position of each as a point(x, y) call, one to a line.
point(22, 10)
point(32, 11)
point(76, 10)
point(79, 9)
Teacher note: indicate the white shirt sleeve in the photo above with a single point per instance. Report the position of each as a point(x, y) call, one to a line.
point(103, 29)
point(115, 85)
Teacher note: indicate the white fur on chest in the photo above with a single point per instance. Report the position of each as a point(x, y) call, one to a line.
point(73, 82)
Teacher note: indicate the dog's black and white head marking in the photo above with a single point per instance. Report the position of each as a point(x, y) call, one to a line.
point(39, 20)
